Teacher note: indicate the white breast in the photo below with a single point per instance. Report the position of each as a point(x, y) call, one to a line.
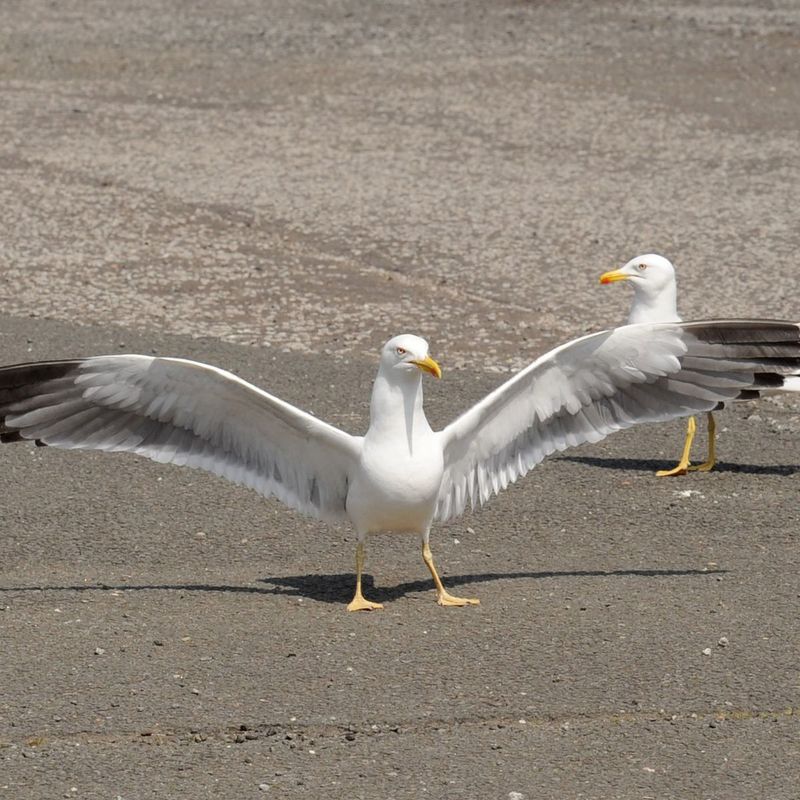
point(396, 486)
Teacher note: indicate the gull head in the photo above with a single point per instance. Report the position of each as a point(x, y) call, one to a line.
point(406, 355)
point(650, 274)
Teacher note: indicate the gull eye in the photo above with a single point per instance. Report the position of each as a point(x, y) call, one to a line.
point(401, 351)
point(641, 267)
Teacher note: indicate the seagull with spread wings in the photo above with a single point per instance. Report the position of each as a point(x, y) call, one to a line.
point(655, 299)
point(401, 475)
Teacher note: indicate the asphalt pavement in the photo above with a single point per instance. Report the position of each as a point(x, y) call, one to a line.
point(277, 189)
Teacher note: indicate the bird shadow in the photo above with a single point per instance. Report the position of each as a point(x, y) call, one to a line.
point(653, 465)
point(338, 587)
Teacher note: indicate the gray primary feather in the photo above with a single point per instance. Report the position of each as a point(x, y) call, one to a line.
point(584, 390)
point(184, 413)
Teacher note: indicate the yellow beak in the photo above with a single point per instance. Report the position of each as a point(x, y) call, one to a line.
point(427, 364)
point(613, 276)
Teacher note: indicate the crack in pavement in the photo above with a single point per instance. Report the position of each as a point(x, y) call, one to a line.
point(291, 733)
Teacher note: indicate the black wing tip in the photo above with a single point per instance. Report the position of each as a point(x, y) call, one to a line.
point(20, 381)
point(744, 331)
point(9, 436)
point(16, 375)
point(763, 381)
point(768, 380)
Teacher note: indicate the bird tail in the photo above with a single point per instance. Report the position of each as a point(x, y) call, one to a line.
point(791, 383)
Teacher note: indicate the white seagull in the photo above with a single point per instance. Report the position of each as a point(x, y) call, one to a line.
point(655, 299)
point(401, 475)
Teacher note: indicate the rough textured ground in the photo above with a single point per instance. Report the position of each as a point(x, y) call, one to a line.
point(278, 188)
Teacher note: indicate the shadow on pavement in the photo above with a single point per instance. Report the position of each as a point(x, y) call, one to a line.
point(652, 465)
point(338, 587)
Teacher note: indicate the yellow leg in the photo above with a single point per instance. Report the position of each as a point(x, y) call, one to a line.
point(358, 603)
point(682, 467)
point(443, 598)
point(709, 463)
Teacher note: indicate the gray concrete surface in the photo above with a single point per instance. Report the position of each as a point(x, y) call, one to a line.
point(277, 188)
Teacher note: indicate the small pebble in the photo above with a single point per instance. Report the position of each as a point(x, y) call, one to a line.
point(707, 651)
point(264, 787)
point(723, 641)
point(99, 651)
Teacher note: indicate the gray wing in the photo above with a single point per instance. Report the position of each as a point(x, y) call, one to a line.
point(584, 390)
point(186, 413)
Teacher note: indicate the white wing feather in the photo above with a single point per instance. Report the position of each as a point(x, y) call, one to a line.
point(185, 413)
point(584, 390)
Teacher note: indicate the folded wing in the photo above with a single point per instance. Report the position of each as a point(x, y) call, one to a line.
point(185, 413)
point(584, 390)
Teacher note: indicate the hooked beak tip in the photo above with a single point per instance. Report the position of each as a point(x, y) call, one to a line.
point(613, 276)
point(430, 366)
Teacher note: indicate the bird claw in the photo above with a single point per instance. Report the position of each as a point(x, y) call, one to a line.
point(680, 469)
point(446, 599)
point(359, 603)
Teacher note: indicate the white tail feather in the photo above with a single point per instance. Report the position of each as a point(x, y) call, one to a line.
point(791, 383)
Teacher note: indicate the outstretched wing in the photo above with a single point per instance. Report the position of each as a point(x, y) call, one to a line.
point(584, 390)
point(186, 413)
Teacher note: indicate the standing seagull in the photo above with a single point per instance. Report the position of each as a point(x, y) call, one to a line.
point(655, 300)
point(401, 475)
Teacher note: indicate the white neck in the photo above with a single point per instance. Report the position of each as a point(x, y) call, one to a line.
point(395, 410)
point(659, 307)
